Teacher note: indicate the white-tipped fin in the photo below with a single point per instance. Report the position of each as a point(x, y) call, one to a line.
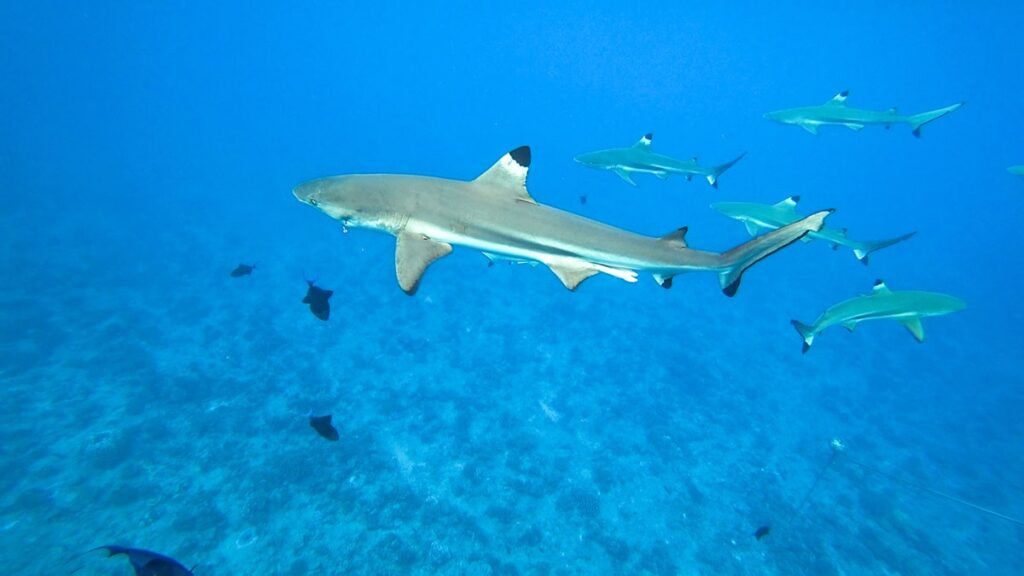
point(573, 271)
point(812, 128)
point(508, 175)
point(880, 288)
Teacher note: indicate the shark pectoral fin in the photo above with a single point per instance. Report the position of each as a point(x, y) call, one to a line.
point(507, 177)
point(854, 126)
point(812, 128)
point(624, 175)
point(413, 253)
point(915, 327)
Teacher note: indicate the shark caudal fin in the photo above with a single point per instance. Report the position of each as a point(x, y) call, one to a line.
point(918, 120)
point(865, 249)
point(806, 332)
point(742, 257)
point(718, 170)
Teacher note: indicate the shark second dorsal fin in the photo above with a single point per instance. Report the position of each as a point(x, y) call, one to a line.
point(676, 238)
point(839, 99)
point(413, 253)
point(508, 175)
point(789, 203)
point(645, 142)
point(880, 288)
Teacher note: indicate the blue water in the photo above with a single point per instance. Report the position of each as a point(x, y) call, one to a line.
point(496, 423)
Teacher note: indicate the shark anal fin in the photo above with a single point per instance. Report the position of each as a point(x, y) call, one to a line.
point(915, 327)
point(413, 253)
point(508, 176)
point(624, 175)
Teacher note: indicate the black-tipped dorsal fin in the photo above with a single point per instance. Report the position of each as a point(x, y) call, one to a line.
point(789, 203)
point(644, 142)
point(880, 288)
point(508, 175)
point(839, 99)
point(413, 253)
point(676, 238)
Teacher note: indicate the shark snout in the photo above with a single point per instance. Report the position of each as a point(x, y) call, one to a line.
point(307, 193)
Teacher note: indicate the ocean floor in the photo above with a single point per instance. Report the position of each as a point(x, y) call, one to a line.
point(493, 424)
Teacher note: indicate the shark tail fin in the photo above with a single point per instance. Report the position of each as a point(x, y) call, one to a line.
point(918, 120)
point(806, 332)
point(863, 251)
point(718, 170)
point(736, 261)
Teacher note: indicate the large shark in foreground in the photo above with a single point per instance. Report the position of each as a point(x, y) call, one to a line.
point(835, 112)
point(906, 307)
point(495, 214)
point(760, 217)
point(639, 159)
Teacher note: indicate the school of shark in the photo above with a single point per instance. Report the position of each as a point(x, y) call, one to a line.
point(495, 214)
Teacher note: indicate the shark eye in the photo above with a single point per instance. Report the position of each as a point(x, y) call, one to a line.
point(312, 201)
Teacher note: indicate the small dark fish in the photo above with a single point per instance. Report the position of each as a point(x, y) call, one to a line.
point(323, 427)
point(147, 563)
point(243, 270)
point(762, 532)
point(583, 199)
point(317, 298)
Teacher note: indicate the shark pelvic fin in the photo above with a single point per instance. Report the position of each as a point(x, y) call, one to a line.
point(645, 142)
point(676, 238)
point(508, 175)
point(914, 327)
point(624, 175)
point(413, 253)
point(573, 271)
point(856, 127)
point(812, 128)
point(752, 229)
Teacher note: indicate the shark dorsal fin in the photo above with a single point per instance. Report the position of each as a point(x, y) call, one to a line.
point(676, 238)
point(838, 99)
point(645, 142)
point(880, 288)
point(508, 175)
point(789, 203)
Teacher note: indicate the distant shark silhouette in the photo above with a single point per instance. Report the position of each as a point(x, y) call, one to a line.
point(324, 427)
point(908, 308)
point(1016, 170)
point(317, 298)
point(835, 112)
point(496, 215)
point(759, 217)
point(243, 270)
point(639, 159)
point(146, 562)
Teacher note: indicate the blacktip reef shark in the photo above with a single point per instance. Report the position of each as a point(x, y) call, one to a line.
point(907, 307)
point(760, 217)
point(835, 112)
point(639, 159)
point(496, 214)
point(1016, 170)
